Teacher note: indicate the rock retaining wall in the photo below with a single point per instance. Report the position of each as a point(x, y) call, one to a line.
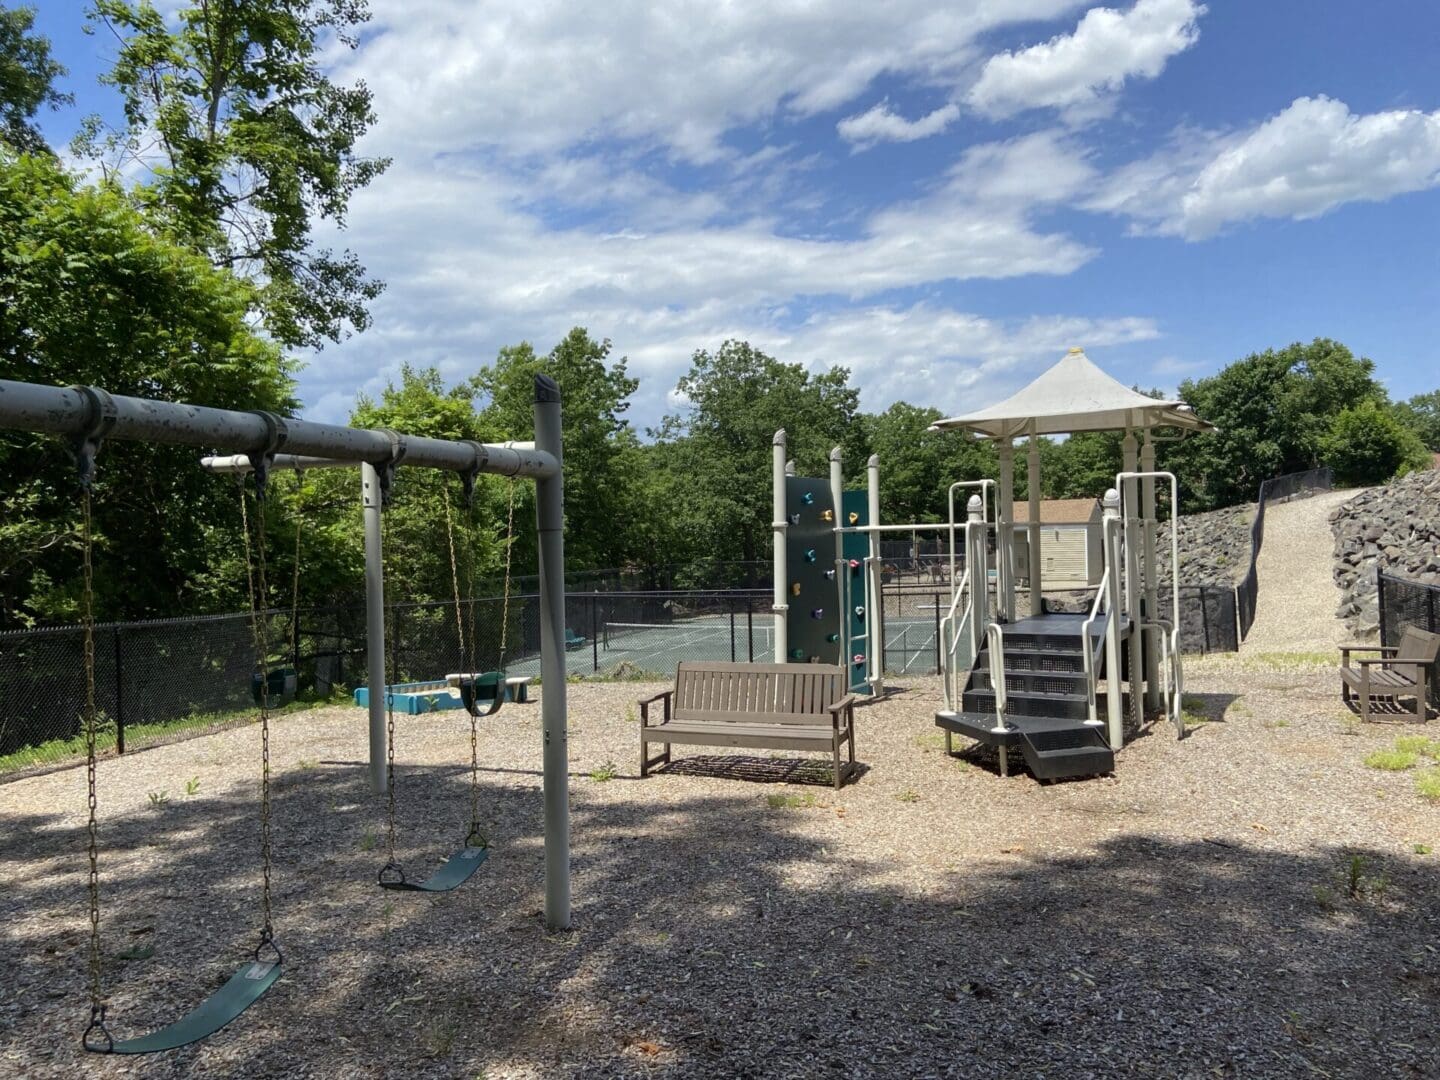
point(1214, 546)
point(1395, 528)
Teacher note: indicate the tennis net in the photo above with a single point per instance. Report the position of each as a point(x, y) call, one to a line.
point(658, 637)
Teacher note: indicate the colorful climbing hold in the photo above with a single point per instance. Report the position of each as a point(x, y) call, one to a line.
point(797, 654)
point(832, 637)
point(794, 519)
point(829, 575)
point(817, 613)
point(794, 588)
point(809, 554)
point(859, 612)
point(858, 658)
point(827, 515)
point(854, 518)
point(854, 564)
point(808, 498)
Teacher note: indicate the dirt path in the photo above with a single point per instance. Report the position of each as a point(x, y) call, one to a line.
point(1295, 611)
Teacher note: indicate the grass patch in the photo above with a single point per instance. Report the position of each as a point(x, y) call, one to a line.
point(1239, 708)
point(1392, 760)
point(1423, 849)
point(601, 773)
point(1289, 661)
point(1272, 724)
point(908, 796)
point(1419, 745)
point(158, 798)
point(805, 801)
point(930, 740)
point(60, 751)
point(1192, 711)
point(192, 786)
point(1427, 784)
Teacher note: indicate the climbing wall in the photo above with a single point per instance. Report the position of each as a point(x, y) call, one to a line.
point(813, 625)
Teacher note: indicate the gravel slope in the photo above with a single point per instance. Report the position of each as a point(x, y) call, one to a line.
point(1295, 611)
point(1188, 917)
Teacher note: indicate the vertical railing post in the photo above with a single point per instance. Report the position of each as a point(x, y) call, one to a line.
point(778, 524)
point(374, 623)
point(595, 633)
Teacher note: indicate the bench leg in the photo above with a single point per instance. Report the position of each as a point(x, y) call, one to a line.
point(839, 774)
point(647, 762)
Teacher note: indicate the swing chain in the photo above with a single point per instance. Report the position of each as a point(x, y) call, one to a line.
point(259, 594)
point(392, 873)
point(509, 551)
point(475, 833)
point(97, 1000)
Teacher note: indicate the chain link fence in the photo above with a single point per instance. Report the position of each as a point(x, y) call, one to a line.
point(1276, 489)
point(1408, 603)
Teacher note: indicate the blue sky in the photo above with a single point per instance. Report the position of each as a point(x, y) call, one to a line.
point(943, 197)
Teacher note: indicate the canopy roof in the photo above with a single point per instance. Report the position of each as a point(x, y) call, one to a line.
point(1074, 395)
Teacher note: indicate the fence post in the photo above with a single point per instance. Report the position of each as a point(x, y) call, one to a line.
point(119, 697)
point(750, 626)
point(731, 606)
point(937, 633)
point(595, 633)
point(1380, 599)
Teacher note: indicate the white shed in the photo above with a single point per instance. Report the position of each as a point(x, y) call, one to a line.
point(1070, 544)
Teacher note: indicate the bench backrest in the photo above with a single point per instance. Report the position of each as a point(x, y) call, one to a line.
point(759, 693)
point(1418, 645)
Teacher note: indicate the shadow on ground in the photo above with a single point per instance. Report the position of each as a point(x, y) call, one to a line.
point(721, 937)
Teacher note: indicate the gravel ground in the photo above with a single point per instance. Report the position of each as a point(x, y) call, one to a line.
point(1295, 609)
point(1189, 917)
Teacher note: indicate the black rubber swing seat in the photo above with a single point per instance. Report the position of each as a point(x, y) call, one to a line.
point(245, 988)
point(456, 871)
point(483, 694)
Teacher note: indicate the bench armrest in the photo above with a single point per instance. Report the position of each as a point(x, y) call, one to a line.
point(645, 703)
point(845, 705)
point(1357, 647)
point(656, 697)
point(1385, 661)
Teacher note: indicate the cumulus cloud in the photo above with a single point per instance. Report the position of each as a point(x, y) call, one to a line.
point(1306, 160)
point(881, 124)
point(1079, 73)
point(534, 76)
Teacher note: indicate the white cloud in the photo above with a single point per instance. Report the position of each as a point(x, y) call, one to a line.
point(1308, 159)
point(536, 76)
point(881, 124)
point(1079, 73)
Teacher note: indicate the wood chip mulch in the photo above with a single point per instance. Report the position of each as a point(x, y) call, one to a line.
point(1199, 914)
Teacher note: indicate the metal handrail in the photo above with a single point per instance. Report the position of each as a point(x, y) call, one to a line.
point(986, 497)
point(949, 642)
point(1091, 675)
point(1170, 632)
point(995, 638)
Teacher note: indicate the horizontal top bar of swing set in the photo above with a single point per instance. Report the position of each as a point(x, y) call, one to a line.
point(60, 410)
point(240, 463)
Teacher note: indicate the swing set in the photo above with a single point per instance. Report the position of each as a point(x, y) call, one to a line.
point(89, 416)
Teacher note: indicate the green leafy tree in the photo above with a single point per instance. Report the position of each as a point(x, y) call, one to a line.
point(248, 144)
point(91, 293)
point(1422, 415)
point(1273, 411)
point(713, 467)
point(917, 466)
point(603, 488)
point(1369, 444)
point(27, 80)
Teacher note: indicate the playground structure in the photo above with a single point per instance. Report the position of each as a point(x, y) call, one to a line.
point(1038, 680)
point(88, 417)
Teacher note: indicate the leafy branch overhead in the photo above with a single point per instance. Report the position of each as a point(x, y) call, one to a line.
point(243, 144)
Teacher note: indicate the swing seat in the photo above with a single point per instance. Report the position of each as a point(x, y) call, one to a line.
point(456, 871)
point(245, 987)
point(482, 692)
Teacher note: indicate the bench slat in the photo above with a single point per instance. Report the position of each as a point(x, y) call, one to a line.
point(766, 736)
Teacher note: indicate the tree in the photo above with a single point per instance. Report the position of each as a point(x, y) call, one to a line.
point(248, 144)
point(27, 77)
point(715, 457)
point(1369, 444)
point(602, 458)
point(1421, 414)
point(90, 293)
point(917, 466)
point(1273, 411)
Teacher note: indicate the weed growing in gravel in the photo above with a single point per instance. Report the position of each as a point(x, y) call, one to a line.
point(908, 796)
point(792, 802)
point(1427, 785)
point(439, 1036)
point(1288, 661)
point(306, 765)
point(630, 715)
point(1240, 709)
point(1418, 744)
point(136, 952)
point(192, 786)
point(158, 798)
point(1423, 849)
point(367, 839)
point(1272, 724)
point(1392, 760)
point(930, 740)
point(1358, 884)
point(602, 773)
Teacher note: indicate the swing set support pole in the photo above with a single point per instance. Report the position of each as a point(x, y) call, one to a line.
point(550, 524)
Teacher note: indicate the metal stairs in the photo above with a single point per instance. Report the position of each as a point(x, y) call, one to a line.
point(1047, 701)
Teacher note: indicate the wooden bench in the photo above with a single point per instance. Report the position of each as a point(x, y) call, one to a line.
point(768, 706)
point(1399, 671)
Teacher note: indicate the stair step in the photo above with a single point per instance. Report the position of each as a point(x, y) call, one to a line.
point(1075, 706)
point(1046, 643)
point(1032, 682)
point(1037, 660)
point(1068, 761)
